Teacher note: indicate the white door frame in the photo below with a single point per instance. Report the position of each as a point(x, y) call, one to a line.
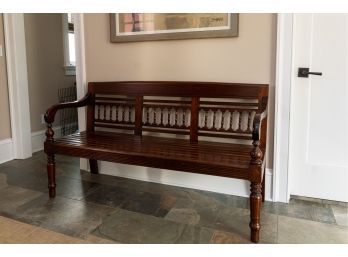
point(282, 108)
point(18, 80)
point(16, 62)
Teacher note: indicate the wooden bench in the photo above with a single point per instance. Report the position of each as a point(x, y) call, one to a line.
point(172, 125)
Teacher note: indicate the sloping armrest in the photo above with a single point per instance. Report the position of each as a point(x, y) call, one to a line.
point(257, 125)
point(256, 154)
point(51, 112)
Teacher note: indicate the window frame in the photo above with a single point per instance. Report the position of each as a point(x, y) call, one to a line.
point(69, 68)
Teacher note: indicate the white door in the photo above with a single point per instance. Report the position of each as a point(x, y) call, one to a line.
point(318, 161)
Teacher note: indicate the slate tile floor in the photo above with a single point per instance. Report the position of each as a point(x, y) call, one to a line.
point(122, 210)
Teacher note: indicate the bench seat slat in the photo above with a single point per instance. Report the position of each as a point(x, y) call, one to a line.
point(213, 158)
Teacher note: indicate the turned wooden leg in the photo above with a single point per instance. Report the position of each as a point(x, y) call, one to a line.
point(93, 165)
point(263, 186)
point(51, 170)
point(255, 210)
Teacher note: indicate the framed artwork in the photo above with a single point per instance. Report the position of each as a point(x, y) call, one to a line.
point(132, 27)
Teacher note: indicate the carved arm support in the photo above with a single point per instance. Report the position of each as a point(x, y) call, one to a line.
point(256, 154)
point(51, 112)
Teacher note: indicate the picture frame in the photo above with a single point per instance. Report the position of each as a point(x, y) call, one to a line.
point(137, 27)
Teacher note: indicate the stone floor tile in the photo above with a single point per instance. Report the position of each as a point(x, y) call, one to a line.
point(70, 217)
point(301, 209)
point(322, 214)
point(320, 201)
point(293, 230)
point(202, 198)
point(12, 197)
point(76, 189)
point(3, 180)
point(222, 237)
point(194, 212)
point(236, 220)
point(26, 177)
point(183, 215)
point(195, 235)
point(148, 203)
point(109, 195)
point(238, 202)
point(130, 227)
point(135, 185)
point(306, 199)
point(69, 170)
point(341, 214)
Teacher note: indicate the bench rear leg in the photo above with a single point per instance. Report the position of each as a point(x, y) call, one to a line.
point(255, 210)
point(51, 175)
point(93, 166)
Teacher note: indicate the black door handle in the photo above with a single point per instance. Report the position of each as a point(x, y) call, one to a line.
point(304, 72)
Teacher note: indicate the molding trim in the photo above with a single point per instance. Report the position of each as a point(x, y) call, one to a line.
point(6, 150)
point(282, 108)
point(16, 62)
point(38, 138)
point(269, 185)
point(184, 179)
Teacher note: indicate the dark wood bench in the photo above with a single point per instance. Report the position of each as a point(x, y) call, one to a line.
point(127, 123)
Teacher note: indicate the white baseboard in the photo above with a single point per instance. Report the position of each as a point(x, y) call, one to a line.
point(6, 150)
point(269, 185)
point(183, 179)
point(38, 139)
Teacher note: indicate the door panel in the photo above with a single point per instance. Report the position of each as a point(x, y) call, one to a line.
point(318, 162)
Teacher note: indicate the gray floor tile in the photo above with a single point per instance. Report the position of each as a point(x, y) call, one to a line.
point(302, 209)
point(194, 212)
point(130, 227)
point(148, 203)
point(292, 230)
point(195, 235)
point(69, 169)
point(75, 188)
point(183, 215)
point(12, 197)
point(28, 177)
point(223, 237)
point(236, 221)
point(3, 180)
point(71, 217)
point(341, 214)
point(109, 195)
point(320, 201)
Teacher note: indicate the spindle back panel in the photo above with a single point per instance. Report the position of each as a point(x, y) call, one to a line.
point(188, 108)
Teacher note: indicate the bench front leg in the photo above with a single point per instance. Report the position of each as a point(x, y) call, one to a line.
point(51, 175)
point(256, 179)
point(256, 191)
point(255, 210)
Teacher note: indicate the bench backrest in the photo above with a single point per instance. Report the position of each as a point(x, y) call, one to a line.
point(195, 109)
